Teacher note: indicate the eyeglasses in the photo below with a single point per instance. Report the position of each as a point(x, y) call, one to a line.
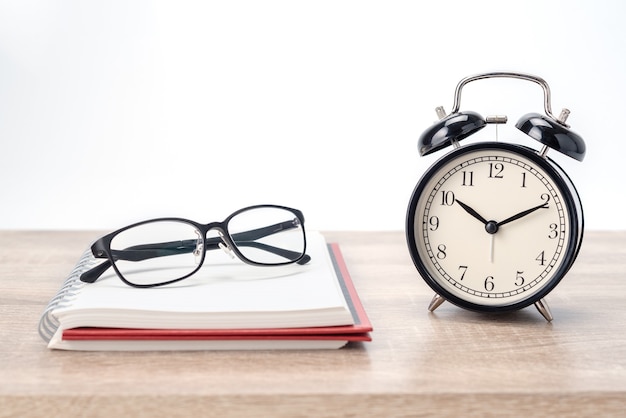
point(166, 250)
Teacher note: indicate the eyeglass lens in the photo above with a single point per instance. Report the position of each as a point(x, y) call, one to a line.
point(267, 235)
point(157, 252)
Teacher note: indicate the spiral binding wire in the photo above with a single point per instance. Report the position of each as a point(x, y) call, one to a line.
point(48, 324)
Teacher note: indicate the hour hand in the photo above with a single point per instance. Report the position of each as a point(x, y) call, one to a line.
point(472, 212)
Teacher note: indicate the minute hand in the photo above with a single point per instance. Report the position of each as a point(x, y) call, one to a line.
point(523, 213)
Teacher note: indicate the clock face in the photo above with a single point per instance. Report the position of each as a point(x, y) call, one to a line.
point(494, 226)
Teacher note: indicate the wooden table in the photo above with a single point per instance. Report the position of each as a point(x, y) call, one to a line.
point(449, 363)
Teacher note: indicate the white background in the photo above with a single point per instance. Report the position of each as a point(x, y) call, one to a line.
point(118, 111)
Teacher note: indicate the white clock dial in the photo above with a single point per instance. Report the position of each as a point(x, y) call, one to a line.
point(493, 227)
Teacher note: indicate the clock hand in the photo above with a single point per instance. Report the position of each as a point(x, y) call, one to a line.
point(471, 212)
point(523, 213)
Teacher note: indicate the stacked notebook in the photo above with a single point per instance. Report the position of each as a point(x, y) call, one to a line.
point(229, 305)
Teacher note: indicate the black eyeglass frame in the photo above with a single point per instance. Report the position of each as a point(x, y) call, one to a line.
point(101, 248)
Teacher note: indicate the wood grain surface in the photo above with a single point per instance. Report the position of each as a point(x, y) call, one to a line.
point(448, 363)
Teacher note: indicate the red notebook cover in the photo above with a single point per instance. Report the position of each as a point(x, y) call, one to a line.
point(357, 332)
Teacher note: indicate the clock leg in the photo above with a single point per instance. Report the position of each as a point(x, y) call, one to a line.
point(436, 302)
point(542, 306)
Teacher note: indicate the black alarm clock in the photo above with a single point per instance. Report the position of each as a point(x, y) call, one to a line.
point(494, 226)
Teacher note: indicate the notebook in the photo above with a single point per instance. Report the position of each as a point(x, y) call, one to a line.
point(226, 305)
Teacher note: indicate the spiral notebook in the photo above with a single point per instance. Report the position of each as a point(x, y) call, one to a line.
point(230, 305)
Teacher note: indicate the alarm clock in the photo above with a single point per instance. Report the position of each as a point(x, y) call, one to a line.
point(495, 226)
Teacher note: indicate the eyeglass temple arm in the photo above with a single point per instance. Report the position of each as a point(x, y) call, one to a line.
point(147, 251)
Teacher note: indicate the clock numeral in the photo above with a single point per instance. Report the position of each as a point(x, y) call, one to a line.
point(447, 198)
point(545, 197)
point(523, 179)
point(519, 279)
point(441, 253)
point(553, 231)
point(468, 178)
point(433, 221)
point(489, 284)
point(541, 258)
point(464, 268)
point(495, 170)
